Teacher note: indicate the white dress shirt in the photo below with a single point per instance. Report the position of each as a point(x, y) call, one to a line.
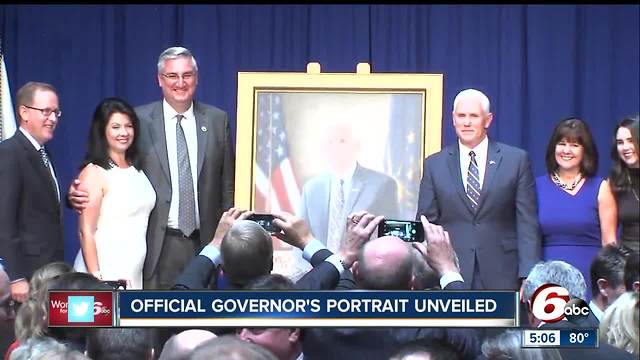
point(190, 129)
point(481, 159)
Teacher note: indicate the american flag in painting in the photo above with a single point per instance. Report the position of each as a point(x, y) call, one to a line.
point(276, 185)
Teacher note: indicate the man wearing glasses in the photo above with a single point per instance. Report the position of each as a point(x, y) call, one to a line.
point(189, 160)
point(31, 221)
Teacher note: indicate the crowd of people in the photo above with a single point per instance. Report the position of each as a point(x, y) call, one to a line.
point(157, 180)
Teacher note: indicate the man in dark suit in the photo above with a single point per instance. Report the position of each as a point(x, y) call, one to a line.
point(386, 263)
point(607, 278)
point(31, 221)
point(189, 160)
point(482, 192)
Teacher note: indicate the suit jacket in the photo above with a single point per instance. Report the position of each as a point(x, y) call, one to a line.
point(372, 191)
point(201, 273)
point(377, 343)
point(215, 172)
point(502, 234)
point(31, 217)
point(381, 343)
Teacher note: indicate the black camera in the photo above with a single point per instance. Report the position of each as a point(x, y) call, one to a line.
point(408, 231)
point(266, 221)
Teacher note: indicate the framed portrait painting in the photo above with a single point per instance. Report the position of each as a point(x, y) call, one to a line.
point(324, 145)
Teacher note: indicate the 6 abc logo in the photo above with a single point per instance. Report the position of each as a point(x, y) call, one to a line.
point(550, 303)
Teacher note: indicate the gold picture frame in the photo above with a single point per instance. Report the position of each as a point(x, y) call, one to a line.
point(282, 119)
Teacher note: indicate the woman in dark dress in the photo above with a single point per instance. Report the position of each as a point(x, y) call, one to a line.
point(624, 180)
point(576, 208)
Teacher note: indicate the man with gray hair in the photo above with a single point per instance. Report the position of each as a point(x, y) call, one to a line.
point(483, 193)
point(569, 277)
point(244, 251)
point(190, 163)
point(553, 272)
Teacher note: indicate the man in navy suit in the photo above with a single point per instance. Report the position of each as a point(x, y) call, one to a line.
point(483, 193)
point(31, 221)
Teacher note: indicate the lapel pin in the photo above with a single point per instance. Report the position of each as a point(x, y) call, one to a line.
point(491, 162)
point(203, 128)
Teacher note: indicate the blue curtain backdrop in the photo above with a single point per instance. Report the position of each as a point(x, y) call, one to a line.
point(537, 63)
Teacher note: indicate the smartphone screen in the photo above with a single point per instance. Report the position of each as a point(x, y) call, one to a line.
point(408, 231)
point(266, 221)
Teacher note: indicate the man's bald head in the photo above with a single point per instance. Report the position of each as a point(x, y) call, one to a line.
point(385, 263)
point(180, 346)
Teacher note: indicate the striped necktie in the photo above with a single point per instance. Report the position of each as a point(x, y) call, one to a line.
point(473, 181)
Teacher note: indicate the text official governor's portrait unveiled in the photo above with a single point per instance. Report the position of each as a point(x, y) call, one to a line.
point(327, 149)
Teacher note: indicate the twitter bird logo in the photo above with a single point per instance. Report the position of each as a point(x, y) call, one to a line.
point(80, 309)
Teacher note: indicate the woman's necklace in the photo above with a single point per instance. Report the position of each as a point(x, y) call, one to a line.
point(631, 187)
point(556, 179)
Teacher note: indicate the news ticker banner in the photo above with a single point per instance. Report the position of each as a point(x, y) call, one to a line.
point(562, 338)
point(284, 308)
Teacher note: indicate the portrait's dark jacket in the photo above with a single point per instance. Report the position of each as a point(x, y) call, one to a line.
point(30, 212)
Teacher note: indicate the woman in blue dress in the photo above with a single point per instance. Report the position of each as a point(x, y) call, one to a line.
point(576, 208)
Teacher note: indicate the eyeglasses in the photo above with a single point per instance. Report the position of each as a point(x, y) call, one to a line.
point(174, 77)
point(46, 112)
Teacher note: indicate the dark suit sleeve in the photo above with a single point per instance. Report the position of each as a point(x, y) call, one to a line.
point(466, 341)
point(196, 275)
point(323, 276)
point(228, 169)
point(455, 285)
point(529, 240)
point(320, 256)
point(10, 242)
point(427, 198)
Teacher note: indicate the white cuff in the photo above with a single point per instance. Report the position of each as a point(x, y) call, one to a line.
point(212, 253)
point(336, 262)
point(312, 247)
point(449, 277)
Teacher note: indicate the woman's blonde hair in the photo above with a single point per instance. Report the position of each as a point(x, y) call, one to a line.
point(31, 317)
point(620, 323)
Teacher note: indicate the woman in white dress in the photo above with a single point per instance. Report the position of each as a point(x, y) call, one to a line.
point(113, 226)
